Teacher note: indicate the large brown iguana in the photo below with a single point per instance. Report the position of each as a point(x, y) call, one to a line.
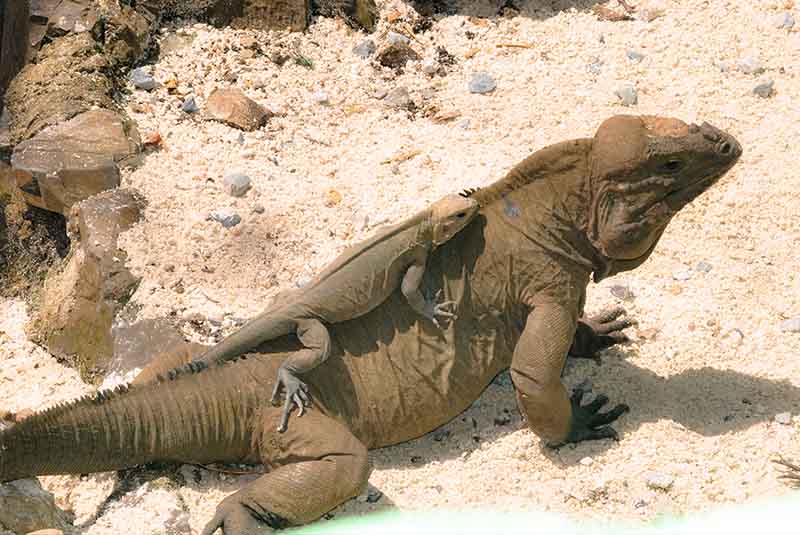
point(519, 275)
point(357, 281)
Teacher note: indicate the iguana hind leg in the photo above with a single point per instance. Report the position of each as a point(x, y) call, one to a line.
point(314, 466)
point(314, 335)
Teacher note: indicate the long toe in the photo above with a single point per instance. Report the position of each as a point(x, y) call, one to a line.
point(610, 416)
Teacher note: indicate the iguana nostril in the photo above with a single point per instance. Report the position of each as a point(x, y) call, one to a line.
point(725, 148)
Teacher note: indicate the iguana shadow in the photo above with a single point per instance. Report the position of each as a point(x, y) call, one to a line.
point(706, 401)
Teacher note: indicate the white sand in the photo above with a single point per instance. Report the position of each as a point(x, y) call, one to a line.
point(685, 377)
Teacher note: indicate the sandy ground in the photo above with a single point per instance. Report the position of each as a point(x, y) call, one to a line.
point(709, 369)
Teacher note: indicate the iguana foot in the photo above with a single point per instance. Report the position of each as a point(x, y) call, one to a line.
point(588, 423)
point(436, 307)
point(296, 394)
point(599, 332)
point(234, 518)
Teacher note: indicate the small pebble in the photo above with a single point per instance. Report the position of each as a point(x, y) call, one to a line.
point(596, 66)
point(634, 56)
point(783, 20)
point(784, 418)
point(503, 419)
point(365, 48)
point(659, 481)
point(724, 66)
point(259, 209)
point(189, 105)
point(620, 291)
point(705, 267)
point(627, 94)
point(398, 98)
point(791, 325)
point(142, 80)
point(682, 275)
point(394, 38)
point(430, 67)
point(237, 184)
point(227, 217)
point(320, 97)
point(587, 461)
point(750, 65)
point(764, 89)
point(440, 435)
point(481, 83)
point(374, 495)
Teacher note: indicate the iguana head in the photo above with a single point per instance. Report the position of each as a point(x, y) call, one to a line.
point(449, 215)
point(643, 171)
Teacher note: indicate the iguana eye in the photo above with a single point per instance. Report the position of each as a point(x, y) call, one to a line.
point(461, 215)
point(672, 166)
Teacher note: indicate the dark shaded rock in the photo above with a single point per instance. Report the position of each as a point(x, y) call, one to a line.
point(277, 14)
point(14, 29)
point(74, 160)
point(127, 33)
point(395, 56)
point(232, 107)
point(80, 299)
point(365, 48)
point(73, 16)
point(357, 13)
point(222, 12)
point(25, 507)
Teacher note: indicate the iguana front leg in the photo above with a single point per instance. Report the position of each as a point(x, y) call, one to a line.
point(536, 371)
point(317, 341)
point(412, 281)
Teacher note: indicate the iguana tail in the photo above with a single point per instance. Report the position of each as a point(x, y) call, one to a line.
point(201, 417)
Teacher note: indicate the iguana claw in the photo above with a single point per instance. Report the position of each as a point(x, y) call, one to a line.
point(599, 332)
point(296, 394)
point(434, 307)
point(588, 423)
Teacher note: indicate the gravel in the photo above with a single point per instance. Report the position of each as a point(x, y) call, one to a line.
point(481, 83)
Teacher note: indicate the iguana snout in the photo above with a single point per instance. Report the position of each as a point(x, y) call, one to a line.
point(450, 214)
point(643, 171)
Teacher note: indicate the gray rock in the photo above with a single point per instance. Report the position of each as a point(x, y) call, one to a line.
point(320, 97)
point(683, 275)
point(627, 95)
point(365, 48)
point(634, 56)
point(481, 82)
point(394, 38)
point(398, 98)
point(430, 67)
point(620, 291)
point(783, 20)
point(705, 267)
point(659, 481)
point(764, 89)
point(226, 217)
point(232, 107)
point(189, 105)
point(750, 65)
point(784, 418)
point(259, 209)
point(26, 507)
point(237, 184)
point(74, 160)
point(79, 300)
point(791, 325)
point(142, 80)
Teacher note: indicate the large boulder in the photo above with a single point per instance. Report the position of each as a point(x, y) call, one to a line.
point(70, 162)
point(25, 507)
point(68, 78)
point(79, 300)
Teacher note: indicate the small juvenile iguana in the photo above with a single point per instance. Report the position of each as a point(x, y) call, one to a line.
point(583, 208)
point(357, 281)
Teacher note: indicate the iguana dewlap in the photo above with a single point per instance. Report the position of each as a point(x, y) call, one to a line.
point(574, 210)
point(357, 281)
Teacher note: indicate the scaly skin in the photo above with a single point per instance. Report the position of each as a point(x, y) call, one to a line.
point(357, 281)
point(585, 207)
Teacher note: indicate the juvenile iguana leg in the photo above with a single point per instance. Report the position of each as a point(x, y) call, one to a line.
point(317, 341)
point(599, 332)
point(536, 372)
point(314, 466)
point(412, 280)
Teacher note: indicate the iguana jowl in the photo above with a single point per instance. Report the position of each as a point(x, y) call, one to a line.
point(519, 275)
point(357, 281)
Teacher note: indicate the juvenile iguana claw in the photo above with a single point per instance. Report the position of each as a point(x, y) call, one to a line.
point(434, 308)
point(296, 394)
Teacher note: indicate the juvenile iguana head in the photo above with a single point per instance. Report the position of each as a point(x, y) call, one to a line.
point(449, 215)
point(643, 171)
